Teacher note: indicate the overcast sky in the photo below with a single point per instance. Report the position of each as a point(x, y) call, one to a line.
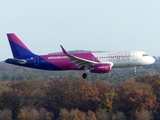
point(97, 25)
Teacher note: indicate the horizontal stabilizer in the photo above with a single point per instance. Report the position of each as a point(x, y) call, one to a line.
point(20, 61)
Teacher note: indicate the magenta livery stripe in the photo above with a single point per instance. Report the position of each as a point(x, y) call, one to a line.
point(64, 63)
point(15, 39)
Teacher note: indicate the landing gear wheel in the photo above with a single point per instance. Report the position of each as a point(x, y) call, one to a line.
point(84, 75)
point(135, 72)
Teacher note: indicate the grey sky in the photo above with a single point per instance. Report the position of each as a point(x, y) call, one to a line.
point(106, 25)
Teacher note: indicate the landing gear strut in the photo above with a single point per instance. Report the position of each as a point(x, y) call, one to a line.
point(135, 72)
point(86, 69)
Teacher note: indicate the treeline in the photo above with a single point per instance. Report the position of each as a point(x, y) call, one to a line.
point(113, 78)
point(12, 72)
point(79, 99)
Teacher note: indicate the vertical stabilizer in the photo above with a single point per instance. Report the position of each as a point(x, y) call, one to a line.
point(18, 48)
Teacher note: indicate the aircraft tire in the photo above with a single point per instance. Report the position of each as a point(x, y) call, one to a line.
point(135, 74)
point(84, 75)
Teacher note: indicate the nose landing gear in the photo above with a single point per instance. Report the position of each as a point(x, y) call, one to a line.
point(135, 72)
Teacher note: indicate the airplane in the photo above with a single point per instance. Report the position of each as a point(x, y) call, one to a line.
point(93, 62)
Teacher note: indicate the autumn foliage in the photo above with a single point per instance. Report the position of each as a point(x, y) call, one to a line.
point(79, 99)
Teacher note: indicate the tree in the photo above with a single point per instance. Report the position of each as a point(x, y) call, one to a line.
point(13, 101)
point(118, 116)
point(145, 115)
point(133, 99)
point(91, 115)
point(28, 113)
point(76, 114)
point(5, 114)
point(103, 115)
point(21, 115)
point(108, 103)
point(45, 115)
point(103, 87)
point(34, 91)
point(71, 94)
point(63, 115)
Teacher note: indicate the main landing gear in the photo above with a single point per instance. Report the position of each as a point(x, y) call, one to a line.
point(135, 72)
point(84, 75)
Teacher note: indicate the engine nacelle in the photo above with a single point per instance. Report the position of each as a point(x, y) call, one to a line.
point(100, 68)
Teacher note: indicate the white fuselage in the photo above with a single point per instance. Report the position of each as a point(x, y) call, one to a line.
point(125, 59)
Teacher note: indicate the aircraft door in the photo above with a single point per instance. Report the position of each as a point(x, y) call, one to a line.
point(36, 61)
point(134, 56)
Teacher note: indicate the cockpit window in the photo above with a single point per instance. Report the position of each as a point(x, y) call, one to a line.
point(145, 55)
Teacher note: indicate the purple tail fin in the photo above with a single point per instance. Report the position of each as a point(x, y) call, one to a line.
point(19, 49)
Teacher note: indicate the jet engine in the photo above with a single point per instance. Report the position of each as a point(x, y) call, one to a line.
point(100, 68)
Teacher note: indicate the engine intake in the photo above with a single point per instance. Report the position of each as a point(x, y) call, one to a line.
point(100, 68)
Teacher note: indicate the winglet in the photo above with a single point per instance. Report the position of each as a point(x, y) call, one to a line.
point(63, 50)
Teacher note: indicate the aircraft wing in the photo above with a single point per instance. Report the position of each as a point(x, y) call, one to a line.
point(80, 61)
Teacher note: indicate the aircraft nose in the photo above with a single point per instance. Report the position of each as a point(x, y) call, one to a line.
point(152, 60)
